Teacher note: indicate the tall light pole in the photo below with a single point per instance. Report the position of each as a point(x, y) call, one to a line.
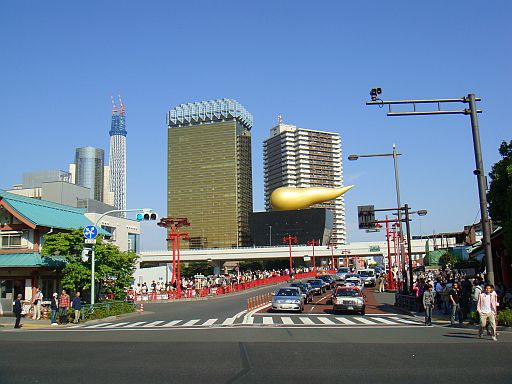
point(472, 111)
point(289, 239)
point(332, 246)
point(394, 154)
point(313, 243)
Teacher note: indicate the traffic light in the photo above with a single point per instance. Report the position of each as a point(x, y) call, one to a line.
point(86, 253)
point(146, 215)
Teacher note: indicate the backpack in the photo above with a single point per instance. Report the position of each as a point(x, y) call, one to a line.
point(475, 292)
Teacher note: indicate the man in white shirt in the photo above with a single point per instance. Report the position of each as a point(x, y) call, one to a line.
point(38, 299)
point(487, 309)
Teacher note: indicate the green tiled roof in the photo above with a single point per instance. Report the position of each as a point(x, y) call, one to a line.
point(46, 213)
point(33, 259)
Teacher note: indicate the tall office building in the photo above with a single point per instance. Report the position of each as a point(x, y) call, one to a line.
point(298, 157)
point(88, 170)
point(117, 157)
point(209, 171)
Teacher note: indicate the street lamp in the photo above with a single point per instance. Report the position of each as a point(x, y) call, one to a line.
point(289, 239)
point(345, 253)
point(332, 247)
point(313, 243)
point(478, 172)
point(394, 155)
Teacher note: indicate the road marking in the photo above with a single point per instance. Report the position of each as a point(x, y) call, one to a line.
point(403, 320)
point(98, 325)
point(385, 321)
point(344, 320)
point(117, 325)
point(190, 323)
point(154, 323)
point(209, 322)
point(325, 320)
point(229, 321)
point(240, 314)
point(171, 323)
point(134, 324)
point(249, 320)
point(287, 320)
point(364, 321)
point(306, 320)
point(268, 320)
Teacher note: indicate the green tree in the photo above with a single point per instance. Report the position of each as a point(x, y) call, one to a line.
point(500, 193)
point(447, 258)
point(114, 268)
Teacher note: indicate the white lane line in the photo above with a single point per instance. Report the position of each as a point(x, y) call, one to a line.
point(229, 321)
point(249, 320)
point(268, 320)
point(325, 320)
point(404, 320)
point(190, 322)
point(385, 321)
point(344, 320)
point(117, 325)
point(364, 321)
point(306, 320)
point(287, 320)
point(153, 324)
point(171, 323)
point(210, 322)
point(98, 325)
point(240, 314)
point(129, 325)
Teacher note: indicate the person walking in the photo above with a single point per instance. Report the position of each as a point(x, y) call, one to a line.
point(17, 310)
point(487, 308)
point(64, 302)
point(38, 300)
point(429, 300)
point(77, 306)
point(455, 299)
point(54, 306)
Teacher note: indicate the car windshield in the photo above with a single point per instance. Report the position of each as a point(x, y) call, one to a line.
point(343, 270)
point(347, 292)
point(366, 273)
point(287, 292)
point(315, 282)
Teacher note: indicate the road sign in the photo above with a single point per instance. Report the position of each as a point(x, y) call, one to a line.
point(90, 241)
point(366, 216)
point(90, 232)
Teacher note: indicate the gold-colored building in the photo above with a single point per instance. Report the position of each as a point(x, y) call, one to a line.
point(210, 172)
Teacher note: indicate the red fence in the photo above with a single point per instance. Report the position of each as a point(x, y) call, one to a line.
point(221, 290)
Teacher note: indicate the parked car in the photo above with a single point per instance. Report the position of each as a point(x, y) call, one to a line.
point(307, 291)
point(318, 285)
point(342, 272)
point(348, 299)
point(288, 299)
point(367, 276)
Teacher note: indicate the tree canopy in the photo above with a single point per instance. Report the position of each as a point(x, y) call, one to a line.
point(113, 268)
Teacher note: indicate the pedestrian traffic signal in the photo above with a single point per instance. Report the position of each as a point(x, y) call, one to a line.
point(146, 215)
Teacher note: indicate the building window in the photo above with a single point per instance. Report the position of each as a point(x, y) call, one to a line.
point(13, 239)
point(133, 242)
point(111, 230)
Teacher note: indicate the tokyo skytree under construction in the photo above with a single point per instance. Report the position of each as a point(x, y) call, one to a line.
point(117, 158)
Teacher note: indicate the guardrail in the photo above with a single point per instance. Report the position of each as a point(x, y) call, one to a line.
point(220, 290)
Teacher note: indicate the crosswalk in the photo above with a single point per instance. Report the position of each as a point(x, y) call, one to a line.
point(263, 321)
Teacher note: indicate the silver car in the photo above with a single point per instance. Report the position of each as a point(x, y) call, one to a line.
point(288, 299)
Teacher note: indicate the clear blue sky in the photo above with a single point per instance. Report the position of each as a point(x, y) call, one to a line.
point(313, 62)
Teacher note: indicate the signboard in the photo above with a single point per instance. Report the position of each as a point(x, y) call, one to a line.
point(374, 248)
point(366, 216)
point(90, 232)
point(307, 258)
point(90, 241)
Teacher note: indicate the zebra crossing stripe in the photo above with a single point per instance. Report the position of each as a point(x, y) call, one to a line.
point(133, 324)
point(287, 320)
point(190, 323)
point(249, 320)
point(364, 321)
point(98, 325)
point(385, 321)
point(209, 322)
point(117, 325)
point(268, 320)
point(153, 324)
point(325, 320)
point(229, 321)
point(344, 320)
point(306, 321)
point(171, 323)
point(403, 320)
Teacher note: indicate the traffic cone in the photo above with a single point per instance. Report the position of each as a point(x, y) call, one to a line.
point(141, 308)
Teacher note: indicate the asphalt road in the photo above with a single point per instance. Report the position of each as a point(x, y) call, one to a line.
point(279, 353)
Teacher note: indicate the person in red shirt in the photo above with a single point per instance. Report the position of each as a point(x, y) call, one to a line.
point(64, 302)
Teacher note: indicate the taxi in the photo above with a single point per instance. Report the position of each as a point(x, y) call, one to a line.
point(348, 298)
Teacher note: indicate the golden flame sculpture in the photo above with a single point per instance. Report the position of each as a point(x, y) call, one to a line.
point(289, 198)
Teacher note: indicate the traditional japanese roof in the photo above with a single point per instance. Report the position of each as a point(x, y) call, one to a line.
point(31, 259)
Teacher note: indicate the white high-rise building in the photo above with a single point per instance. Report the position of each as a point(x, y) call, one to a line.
point(117, 157)
point(299, 157)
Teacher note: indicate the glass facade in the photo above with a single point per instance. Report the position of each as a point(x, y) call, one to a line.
point(210, 181)
point(89, 163)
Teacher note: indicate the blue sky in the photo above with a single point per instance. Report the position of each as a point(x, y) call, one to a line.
point(313, 62)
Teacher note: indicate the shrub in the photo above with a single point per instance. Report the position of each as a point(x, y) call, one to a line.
point(505, 318)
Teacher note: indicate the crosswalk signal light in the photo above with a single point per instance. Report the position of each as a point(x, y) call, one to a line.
point(147, 215)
